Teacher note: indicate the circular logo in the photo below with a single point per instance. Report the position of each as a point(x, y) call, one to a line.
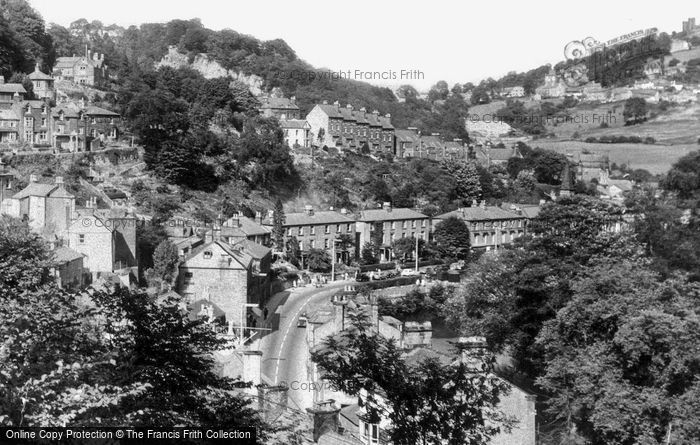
point(575, 50)
point(576, 75)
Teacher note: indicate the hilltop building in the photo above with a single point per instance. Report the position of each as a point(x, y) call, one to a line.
point(296, 132)
point(347, 128)
point(690, 28)
point(89, 69)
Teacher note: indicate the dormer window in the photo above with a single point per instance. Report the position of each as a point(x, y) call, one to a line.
point(208, 255)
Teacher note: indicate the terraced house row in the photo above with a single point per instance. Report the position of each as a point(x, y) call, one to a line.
point(347, 128)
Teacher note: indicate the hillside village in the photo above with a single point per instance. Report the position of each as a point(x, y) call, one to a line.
point(264, 212)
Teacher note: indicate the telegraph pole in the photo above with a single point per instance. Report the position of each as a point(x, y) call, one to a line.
point(416, 254)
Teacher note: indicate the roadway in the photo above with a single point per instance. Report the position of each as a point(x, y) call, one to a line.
point(284, 348)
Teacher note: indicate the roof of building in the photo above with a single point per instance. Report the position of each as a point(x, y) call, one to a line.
point(496, 154)
point(64, 255)
point(316, 217)
point(12, 88)
point(406, 136)
point(417, 355)
point(8, 114)
point(389, 214)
point(279, 103)
point(246, 225)
point(255, 250)
point(529, 210)
point(623, 184)
point(240, 255)
point(294, 123)
point(38, 75)
point(334, 438)
point(97, 111)
point(67, 111)
point(477, 213)
point(35, 189)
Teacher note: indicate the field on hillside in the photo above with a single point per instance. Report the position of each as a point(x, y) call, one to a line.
point(654, 158)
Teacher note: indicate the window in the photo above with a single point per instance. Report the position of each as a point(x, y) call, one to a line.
point(81, 238)
point(327, 229)
point(325, 243)
point(423, 223)
point(43, 121)
point(312, 230)
point(413, 223)
point(208, 255)
point(393, 225)
point(93, 120)
point(337, 228)
point(113, 133)
point(404, 224)
point(289, 231)
point(60, 129)
point(301, 231)
point(349, 228)
point(312, 244)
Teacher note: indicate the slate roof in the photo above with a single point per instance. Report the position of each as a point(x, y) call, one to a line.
point(279, 103)
point(64, 255)
point(480, 214)
point(415, 356)
point(38, 75)
point(407, 136)
point(294, 123)
point(529, 210)
point(317, 217)
point(35, 189)
point(243, 258)
point(67, 112)
point(386, 215)
point(255, 250)
point(97, 111)
point(246, 225)
point(12, 88)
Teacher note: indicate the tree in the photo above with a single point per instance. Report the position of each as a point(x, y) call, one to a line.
point(278, 220)
point(636, 109)
point(165, 261)
point(429, 403)
point(684, 176)
point(318, 260)
point(452, 238)
point(466, 180)
point(24, 260)
point(404, 248)
point(293, 251)
point(370, 253)
point(620, 366)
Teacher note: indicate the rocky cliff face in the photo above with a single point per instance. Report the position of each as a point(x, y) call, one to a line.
point(210, 69)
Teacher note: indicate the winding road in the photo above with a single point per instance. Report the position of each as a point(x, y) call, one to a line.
point(284, 348)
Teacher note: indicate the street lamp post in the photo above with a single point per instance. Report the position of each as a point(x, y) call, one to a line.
point(416, 254)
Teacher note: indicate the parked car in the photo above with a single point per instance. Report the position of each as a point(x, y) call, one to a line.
point(362, 277)
point(409, 272)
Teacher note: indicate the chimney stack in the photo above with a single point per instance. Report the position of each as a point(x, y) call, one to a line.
point(483, 204)
point(2, 80)
point(387, 206)
point(474, 353)
point(58, 180)
point(474, 203)
point(343, 211)
point(325, 102)
point(325, 417)
point(309, 210)
point(337, 105)
point(32, 178)
point(349, 107)
point(258, 217)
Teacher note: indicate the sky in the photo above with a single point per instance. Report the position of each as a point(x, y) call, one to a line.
point(432, 40)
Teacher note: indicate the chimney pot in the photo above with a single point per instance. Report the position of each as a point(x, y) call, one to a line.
point(32, 178)
point(474, 203)
point(343, 211)
point(58, 180)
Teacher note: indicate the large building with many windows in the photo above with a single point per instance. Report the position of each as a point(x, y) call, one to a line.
point(489, 226)
point(318, 230)
point(394, 224)
point(348, 128)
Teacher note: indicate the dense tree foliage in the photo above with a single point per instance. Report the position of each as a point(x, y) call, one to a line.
point(421, 406)
point(452, 239)
point(58, 367)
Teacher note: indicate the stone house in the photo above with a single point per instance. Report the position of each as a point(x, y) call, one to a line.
point(89, 69)
point(279, 107)
point(317, 229)
point(68, 268)
point(487, 156)
point(10, 92)
point(26, 121)
point(48, 208)
point(42, 84)
point(394, 223)
point(516, 91)
point(296, 132)
point(346, 128)
point(68, 128)
point(218, 275)
point(92, 236)
point(489, 226)
point(101, 125)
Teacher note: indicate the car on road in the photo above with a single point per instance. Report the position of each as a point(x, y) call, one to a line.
point(302, 321)
point(409, 272)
